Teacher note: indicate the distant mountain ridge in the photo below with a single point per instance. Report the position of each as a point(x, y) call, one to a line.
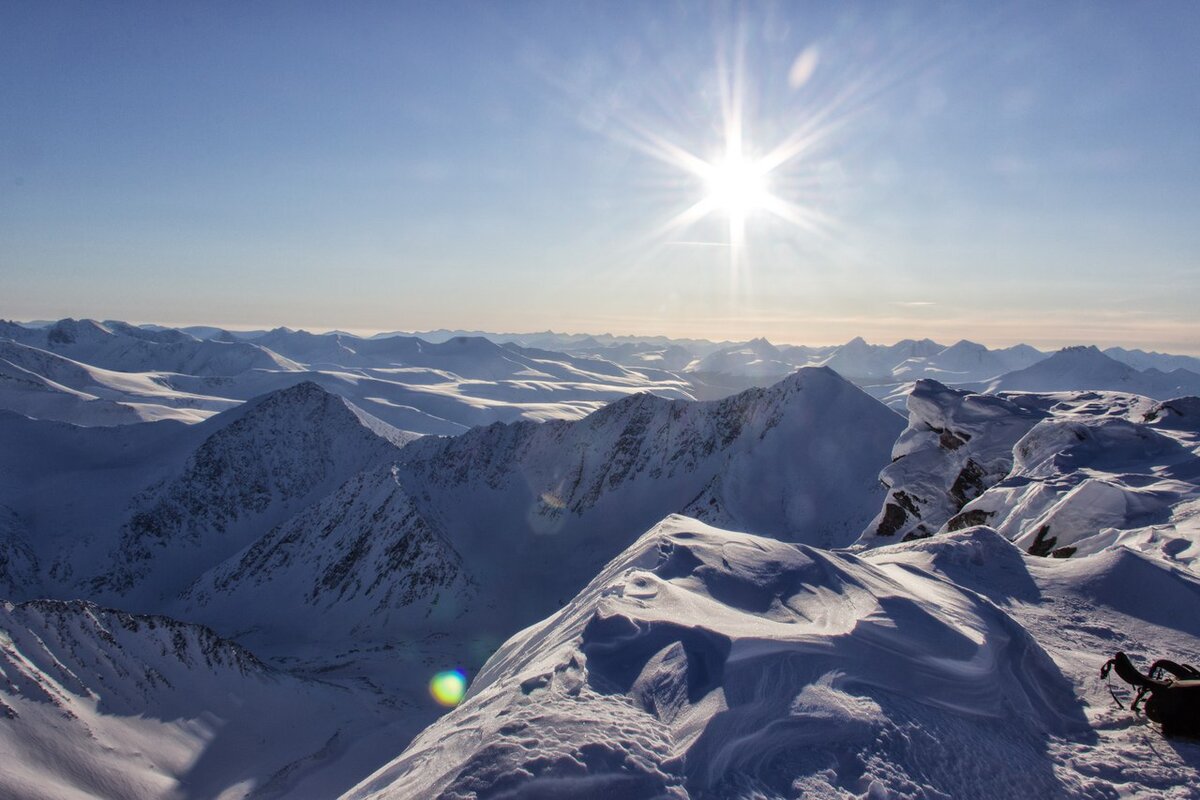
point(116, 373)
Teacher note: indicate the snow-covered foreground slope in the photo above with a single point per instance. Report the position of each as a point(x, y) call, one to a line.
point(1058, 474)
point(707, 663)
point(96, 703)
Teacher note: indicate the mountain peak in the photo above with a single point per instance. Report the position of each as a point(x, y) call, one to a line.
point(1081, 350)
point(69, 331)
point(308, 404)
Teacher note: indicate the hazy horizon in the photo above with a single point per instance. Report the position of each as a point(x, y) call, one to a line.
point(368, 332)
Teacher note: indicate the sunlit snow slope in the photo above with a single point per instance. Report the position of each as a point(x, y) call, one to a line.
point(706, 663)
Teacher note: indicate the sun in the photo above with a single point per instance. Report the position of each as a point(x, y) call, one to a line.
point(737, 186)
point(740, 181)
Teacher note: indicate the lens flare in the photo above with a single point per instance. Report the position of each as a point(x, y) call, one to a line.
point(448, 687)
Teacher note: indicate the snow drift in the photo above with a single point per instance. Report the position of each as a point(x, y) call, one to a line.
point(707, 663)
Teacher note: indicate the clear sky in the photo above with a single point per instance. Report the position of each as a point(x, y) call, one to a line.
point(1000, 172)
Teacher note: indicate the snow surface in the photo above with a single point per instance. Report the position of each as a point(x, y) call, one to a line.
point(710, 663)
point(97, 703)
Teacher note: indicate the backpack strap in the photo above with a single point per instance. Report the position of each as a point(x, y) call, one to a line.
point(1129, 673)
point(1181, 672)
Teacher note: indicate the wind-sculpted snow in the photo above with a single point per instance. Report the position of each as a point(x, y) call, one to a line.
point(1081, 484)
point(1082, 610)
point(344, 567)
point(706, 663)
point(101, 703)
point(1058, 474)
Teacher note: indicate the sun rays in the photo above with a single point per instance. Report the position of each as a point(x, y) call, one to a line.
point(741, 182)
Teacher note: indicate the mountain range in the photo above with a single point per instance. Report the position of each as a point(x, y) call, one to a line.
point(224, 583)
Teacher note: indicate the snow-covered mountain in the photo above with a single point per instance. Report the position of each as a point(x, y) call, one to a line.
point(459, 521)
point(861, 361)
point(1058, 474)
point(828, 637)
point(757, 358)
point(41, 384)
point(147, 508)
point(1077, 368)
point(112, 373)
point(361, 561)
point(1165, 362)
point(708, 663)
point(126, 348)
point(881, 367)
point(965, 361)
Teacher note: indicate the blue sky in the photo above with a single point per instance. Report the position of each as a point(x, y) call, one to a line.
point(1019, 173)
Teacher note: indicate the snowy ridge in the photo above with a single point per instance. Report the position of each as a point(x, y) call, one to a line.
point(707, 663)
point(1075, 368)
point(112, 373)
point(117, 346)
point(42, 384)
point(457, 522)
point(567, 468)
point(758, 359)
point(1058, 474)
point(266, 461)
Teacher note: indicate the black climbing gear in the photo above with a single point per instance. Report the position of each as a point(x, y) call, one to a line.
point(1171, 693)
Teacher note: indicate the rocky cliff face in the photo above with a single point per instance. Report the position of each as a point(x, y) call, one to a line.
point(361, 563)
point(267, 461)
point(956, 445)
point(1056, 473)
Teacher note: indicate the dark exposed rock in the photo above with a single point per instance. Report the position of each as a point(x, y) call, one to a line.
point(1044, 544)
point(907, 502)
point(893, 518)
point(919, 532)
point(969, 484)
point(968, 519)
